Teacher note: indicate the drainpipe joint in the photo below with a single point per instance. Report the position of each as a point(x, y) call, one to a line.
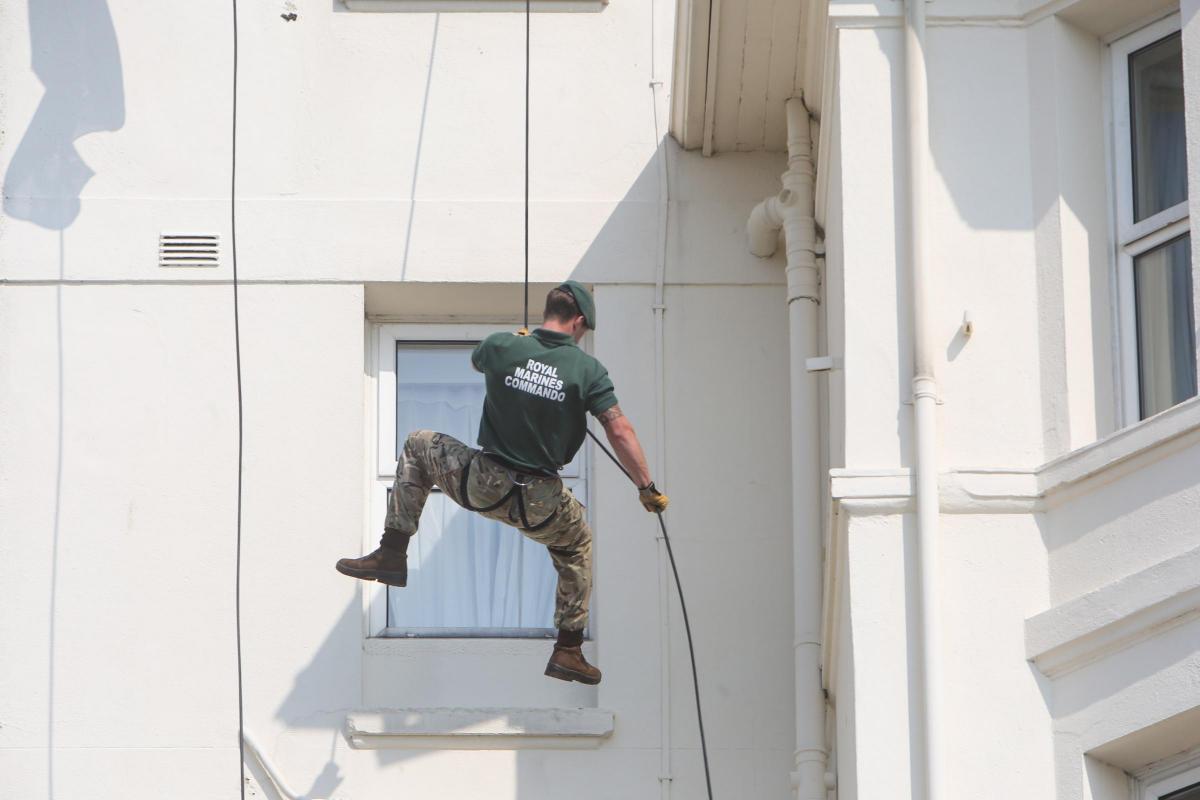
point(810, 779)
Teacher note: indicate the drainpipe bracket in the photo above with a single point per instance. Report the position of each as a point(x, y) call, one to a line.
point(938, 400)
point(823, 364)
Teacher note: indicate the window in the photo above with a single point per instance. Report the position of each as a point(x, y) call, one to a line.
point(1175, 785)
point(1154, 233)
point(468, 576)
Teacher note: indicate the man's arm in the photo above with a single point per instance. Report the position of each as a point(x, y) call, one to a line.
point(624, 441)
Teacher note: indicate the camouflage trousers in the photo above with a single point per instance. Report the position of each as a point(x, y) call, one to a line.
point(434, 459)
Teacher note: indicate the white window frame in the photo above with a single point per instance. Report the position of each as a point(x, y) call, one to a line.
point(381, 365)
point(474, 6)
point(1134, 239)
point(1162, 783)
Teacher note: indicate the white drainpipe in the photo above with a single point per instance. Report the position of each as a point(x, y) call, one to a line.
point(924, 396)
point(793, 211)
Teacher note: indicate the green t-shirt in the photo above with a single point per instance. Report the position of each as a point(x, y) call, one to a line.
point(539, 390)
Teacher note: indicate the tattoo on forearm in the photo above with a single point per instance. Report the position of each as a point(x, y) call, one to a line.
point(610, 415)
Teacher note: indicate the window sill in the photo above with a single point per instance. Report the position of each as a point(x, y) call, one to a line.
point(479, 728)
point(1143, 442)
point(476, 6)
point(1007, 490)
point(445, 673)
point(420, 646)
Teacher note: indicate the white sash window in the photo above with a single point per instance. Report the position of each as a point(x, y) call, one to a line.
point(1174, 785)
point(468, 576)
point(1154, 231)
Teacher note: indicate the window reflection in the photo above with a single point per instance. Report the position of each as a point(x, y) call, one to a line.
point(1157, 127)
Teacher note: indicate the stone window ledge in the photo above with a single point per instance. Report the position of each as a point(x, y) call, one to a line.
point(478, 728)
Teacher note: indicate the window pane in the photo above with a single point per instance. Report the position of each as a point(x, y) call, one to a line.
point(1190, 793)
point(437, 389)
point(1166, 335)
point(1156, 109)
point(465, 571)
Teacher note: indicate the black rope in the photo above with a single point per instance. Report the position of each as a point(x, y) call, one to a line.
point(237, 349)
point(687, 626)
point(527, 164)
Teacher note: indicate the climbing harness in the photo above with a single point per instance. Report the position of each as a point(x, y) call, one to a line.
point(516, 494)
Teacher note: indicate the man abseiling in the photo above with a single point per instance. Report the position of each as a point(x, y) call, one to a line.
point(540, 388)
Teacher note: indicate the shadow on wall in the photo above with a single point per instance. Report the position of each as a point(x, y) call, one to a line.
point(75, 56)
point(327, 682)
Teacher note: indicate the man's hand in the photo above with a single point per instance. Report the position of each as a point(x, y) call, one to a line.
point(652, 499)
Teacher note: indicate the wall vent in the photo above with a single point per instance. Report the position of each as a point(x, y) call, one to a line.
point(188, 249)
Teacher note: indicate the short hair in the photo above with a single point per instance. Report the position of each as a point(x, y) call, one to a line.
point(561, 305)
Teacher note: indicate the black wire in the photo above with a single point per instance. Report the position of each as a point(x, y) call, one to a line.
point(237, 349)
point(527, 164)
point(687, 626)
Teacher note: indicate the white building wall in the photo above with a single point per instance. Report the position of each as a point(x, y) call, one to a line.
point(998, 258)
point(1043, 518)
point(118, 504)
point(372, 149)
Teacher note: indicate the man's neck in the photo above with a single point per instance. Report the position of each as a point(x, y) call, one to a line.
point(556, 326)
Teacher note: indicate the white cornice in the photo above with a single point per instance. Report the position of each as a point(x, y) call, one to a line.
point(1074, 633)
point(1128, 610)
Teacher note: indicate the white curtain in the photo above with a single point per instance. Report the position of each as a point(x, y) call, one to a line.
point(465, 571)
point(1166, 332)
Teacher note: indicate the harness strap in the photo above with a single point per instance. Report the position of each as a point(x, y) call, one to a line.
point(540, 525)
point(516, 491)
point(467, 499)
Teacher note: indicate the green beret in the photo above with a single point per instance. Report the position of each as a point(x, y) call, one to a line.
point(583, 299)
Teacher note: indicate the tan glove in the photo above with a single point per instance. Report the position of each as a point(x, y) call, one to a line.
point(653, 500)
point(522, 331)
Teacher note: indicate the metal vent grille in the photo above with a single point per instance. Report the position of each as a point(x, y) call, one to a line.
point(188, 249)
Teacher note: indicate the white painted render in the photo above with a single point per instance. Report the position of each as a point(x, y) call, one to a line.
point(375, 151)
point(380, 180)
point(1067, 607)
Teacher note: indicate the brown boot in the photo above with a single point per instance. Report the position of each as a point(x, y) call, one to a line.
point(567, 662)
point(386, 565)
